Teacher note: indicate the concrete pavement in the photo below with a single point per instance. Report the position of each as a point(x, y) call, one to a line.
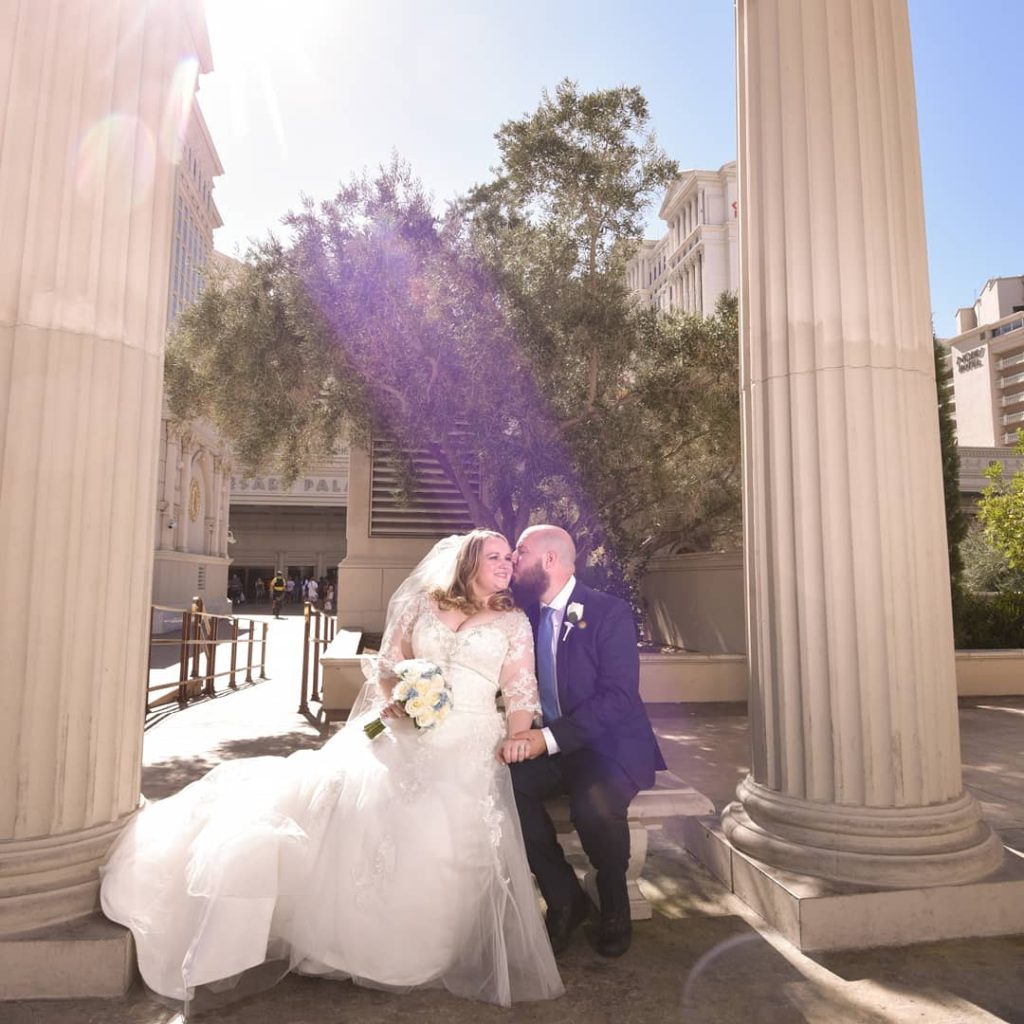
point(703, 959)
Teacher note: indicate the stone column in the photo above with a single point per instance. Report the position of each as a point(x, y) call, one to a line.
point(217, 541)
point(91, 101)
point(172, 456)
point(184, 485)
point(856, 762)
point(225, 504)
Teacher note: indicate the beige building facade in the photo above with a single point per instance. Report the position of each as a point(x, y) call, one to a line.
point(688, 268)
point(986, 365)
point(194, 463)
point(299, 527)
point(193, 491)
point(386, 536)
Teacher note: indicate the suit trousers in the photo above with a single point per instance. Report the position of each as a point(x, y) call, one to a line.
point(599, 795)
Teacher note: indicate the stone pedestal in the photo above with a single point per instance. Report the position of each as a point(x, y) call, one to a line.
point(820, 915)
point(855, 763)
point(91, 102)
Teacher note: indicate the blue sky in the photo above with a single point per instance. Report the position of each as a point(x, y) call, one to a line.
point(307, 92)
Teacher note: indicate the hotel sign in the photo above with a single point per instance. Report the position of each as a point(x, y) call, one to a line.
point(972, 360)
point(305, 490)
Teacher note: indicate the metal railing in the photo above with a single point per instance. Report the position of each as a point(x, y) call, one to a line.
point(200, 637)
point(319, 632)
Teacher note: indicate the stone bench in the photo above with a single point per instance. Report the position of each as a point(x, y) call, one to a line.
point(649, 810)
point(670, 798)
point(341, 674)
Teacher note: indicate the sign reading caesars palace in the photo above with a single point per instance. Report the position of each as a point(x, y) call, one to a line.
point(309, 488)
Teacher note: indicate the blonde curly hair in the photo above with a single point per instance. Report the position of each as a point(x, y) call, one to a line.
point(459, 593)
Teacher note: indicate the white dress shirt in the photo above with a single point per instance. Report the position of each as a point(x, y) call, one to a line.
point(558, 603)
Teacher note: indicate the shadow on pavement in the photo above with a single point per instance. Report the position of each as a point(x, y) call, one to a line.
point(163, 778)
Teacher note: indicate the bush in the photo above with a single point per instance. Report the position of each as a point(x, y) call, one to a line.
point(984, 568)
point(988, 621)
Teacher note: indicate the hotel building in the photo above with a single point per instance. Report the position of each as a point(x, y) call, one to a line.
point(697, 259)
point(191, 557)
point(986, 364)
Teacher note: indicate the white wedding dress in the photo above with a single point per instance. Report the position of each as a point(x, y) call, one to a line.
point(397, 862)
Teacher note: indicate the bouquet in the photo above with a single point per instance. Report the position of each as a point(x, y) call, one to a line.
point(421, 689)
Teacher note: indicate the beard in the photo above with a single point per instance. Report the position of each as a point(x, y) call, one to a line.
point(528, 585)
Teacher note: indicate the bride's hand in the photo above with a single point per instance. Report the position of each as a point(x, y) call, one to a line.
point(393, 710)
point(512, 751)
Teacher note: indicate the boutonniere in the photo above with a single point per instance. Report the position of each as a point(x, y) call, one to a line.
point(573, 617)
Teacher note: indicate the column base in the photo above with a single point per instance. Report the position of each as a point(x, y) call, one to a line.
point(900, 847)
point(88, 958)
point(46, 880)
point(819, 915)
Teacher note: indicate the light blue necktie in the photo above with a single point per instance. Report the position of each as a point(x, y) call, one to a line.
point(546, 666)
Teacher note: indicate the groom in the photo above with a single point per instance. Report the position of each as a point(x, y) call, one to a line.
point(596, 743)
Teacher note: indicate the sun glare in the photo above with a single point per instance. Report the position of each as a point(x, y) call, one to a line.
point(255, 43)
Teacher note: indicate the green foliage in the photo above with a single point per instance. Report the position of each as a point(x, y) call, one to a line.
point(956, 519)
point(1001, 511)
point(985, 570)
point(647, 406)
point(502, 338)
point(251, 357)
point(988, 612)
point(989, 621)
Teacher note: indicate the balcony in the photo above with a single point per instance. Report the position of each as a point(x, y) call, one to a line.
point(1017, 359)
point(1014, 399)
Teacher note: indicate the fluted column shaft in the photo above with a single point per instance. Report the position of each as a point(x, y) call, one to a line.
point(172, 454)
point(856, 764)
point(184, 483)
point(90, 101)
point(216, 500)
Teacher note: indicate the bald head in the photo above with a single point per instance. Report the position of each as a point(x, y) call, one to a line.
point(555, 540)
point(544, 559)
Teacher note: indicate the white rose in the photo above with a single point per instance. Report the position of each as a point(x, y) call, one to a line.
point(415, 706)
point(426, 718)
point(403, 690)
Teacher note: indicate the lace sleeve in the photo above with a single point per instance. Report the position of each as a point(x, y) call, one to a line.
point(518, 678)
point(396, 644)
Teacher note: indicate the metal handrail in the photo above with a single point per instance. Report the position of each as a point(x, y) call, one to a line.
point(199, 635)
point(319, 638)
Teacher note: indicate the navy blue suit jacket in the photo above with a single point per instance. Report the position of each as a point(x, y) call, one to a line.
point(598, 670)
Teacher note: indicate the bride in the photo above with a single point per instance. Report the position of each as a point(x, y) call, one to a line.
point(395, 861)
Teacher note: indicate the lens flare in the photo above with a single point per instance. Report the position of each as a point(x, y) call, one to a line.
point(117, 153)
point(178, 108)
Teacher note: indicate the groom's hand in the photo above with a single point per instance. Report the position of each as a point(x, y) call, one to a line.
point(535, 740)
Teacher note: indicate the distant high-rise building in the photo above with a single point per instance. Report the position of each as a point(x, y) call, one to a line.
point(193, 487)
point(697, 260)
point(986, 365)
point(195, 214)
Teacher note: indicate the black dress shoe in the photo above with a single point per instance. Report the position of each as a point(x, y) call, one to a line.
point(563, 921)
point(614, 934)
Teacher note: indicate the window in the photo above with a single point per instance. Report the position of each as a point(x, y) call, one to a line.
point(1006, 328)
